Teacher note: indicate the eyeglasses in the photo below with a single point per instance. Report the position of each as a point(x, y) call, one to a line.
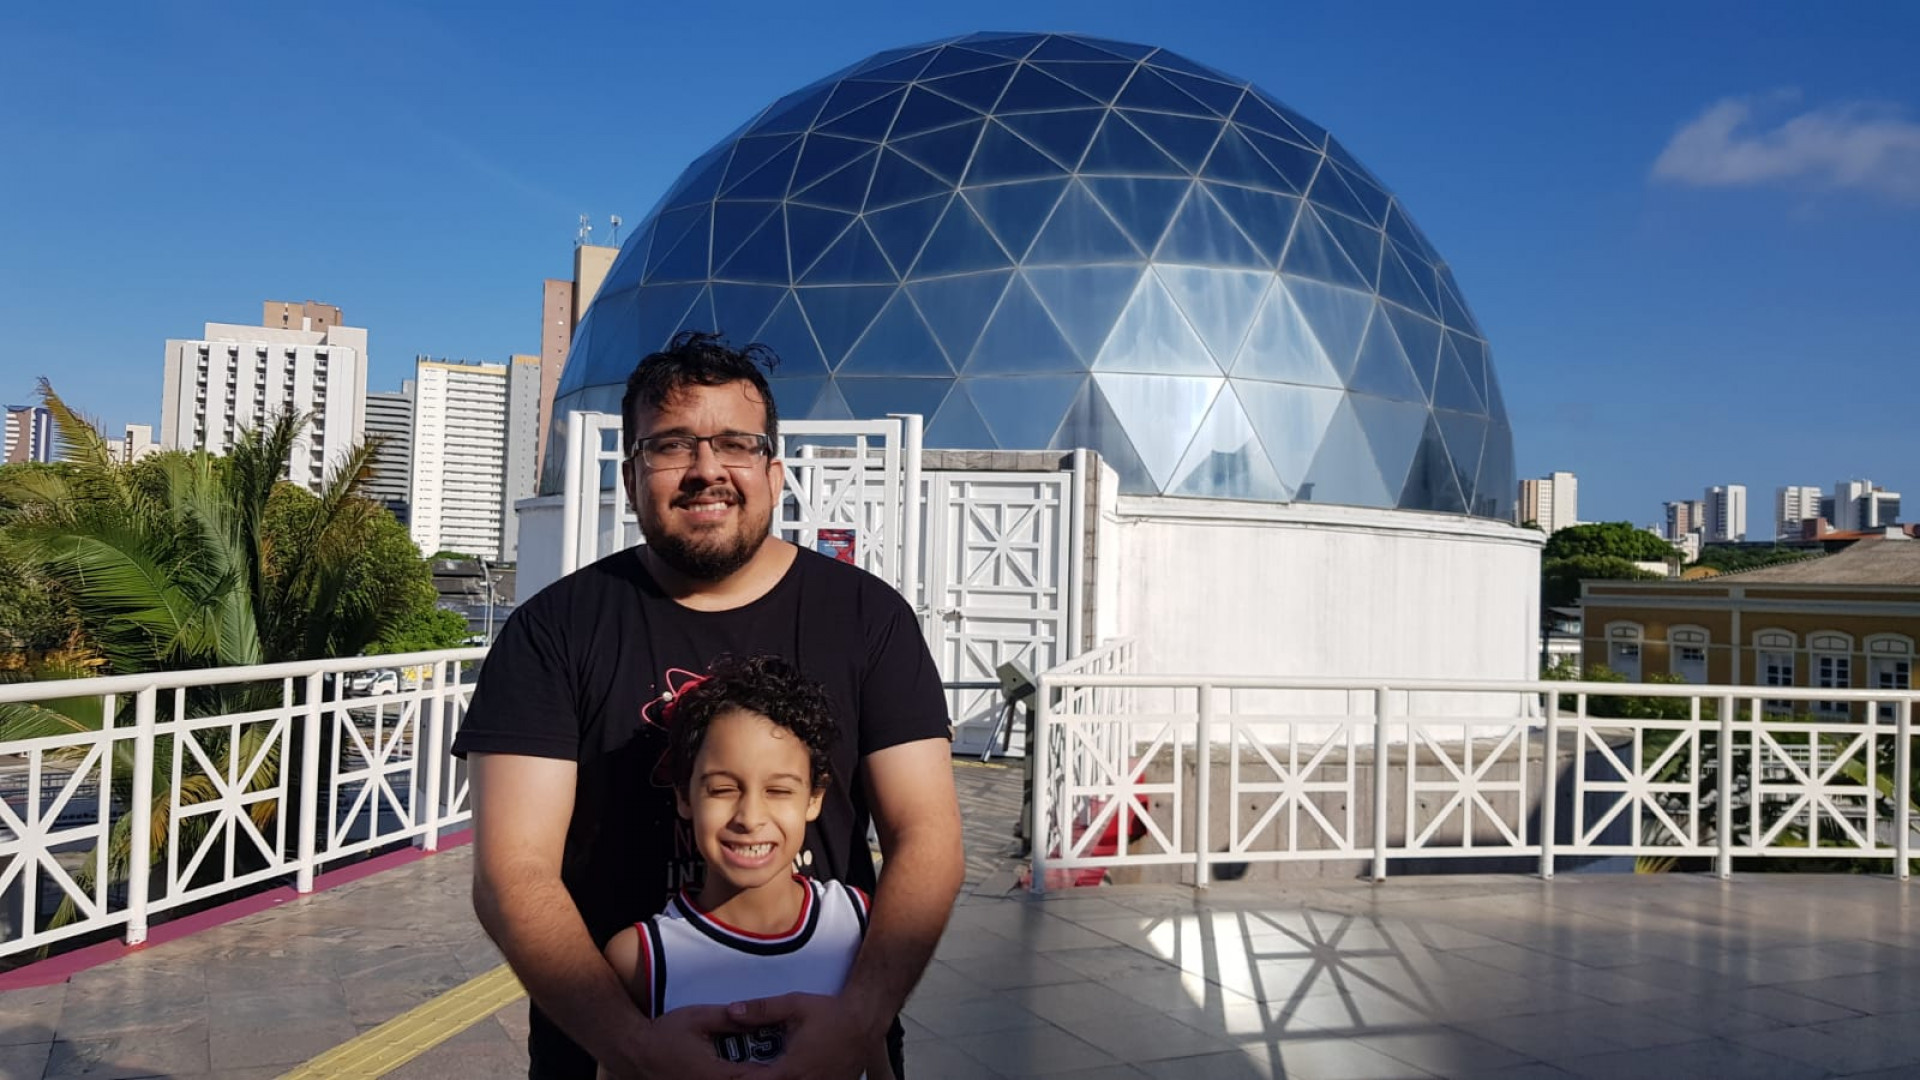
point(732, 449)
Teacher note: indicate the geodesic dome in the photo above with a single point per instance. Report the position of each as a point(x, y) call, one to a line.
point(1054, 241)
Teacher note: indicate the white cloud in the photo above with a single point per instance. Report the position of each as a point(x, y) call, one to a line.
point(1859, 146)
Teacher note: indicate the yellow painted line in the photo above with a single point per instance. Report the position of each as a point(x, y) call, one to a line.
point(415, 1031)
point(965, 764)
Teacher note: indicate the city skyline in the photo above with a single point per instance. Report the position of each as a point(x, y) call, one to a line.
point(1635, 283)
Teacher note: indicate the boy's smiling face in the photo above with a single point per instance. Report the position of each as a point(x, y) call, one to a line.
point(749, 800)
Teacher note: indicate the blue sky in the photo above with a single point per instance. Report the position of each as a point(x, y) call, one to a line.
point(1692, 236)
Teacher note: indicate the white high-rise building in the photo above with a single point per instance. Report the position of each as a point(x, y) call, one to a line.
point(1861, 505)
point(475, 428)
point(240, 377)
point(1791, 506)
point(390, 419)
point(1726, 507)
point(1552, 502)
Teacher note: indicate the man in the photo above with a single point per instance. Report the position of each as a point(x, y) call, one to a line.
point(573, 840)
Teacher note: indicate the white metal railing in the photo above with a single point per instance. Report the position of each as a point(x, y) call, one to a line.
point(169, 788)
point(1129, 770)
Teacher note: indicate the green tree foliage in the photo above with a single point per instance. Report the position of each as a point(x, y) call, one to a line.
point(1560, 578)
point(1607, 539)
point(1731, 558)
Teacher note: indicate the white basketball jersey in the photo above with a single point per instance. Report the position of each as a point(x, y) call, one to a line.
point(688, 957)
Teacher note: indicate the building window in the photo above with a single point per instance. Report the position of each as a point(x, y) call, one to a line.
point(1623, 649)
point(1831, 672)
point(1687, 657)
point(1776, 669)
point(1889, 667)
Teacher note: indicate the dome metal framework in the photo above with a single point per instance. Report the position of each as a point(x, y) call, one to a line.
point(1053, 241)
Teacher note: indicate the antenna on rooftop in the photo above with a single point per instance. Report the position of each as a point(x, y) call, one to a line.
point(585, 235)
point(615, 220)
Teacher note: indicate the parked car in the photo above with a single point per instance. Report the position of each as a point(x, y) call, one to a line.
point(378, 681)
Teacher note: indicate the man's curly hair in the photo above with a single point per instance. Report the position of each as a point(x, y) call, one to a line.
point(766, 686)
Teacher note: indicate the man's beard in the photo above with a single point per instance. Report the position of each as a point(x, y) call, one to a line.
point(709, 556)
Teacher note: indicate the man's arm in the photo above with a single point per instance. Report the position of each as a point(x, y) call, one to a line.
point(521, 807)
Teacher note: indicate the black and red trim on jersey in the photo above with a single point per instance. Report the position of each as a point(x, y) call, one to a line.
point(861, 905)
point(746, 940)
point(653, 968)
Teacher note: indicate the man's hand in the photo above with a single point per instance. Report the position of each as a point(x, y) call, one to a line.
point(827, 1038)
point(680, 1044)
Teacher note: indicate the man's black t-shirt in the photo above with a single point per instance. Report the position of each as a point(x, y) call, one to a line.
point(575, 664)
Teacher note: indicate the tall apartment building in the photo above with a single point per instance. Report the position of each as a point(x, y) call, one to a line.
point(390, 419)
point(134, 443)
point(563, 305)
point(1791, 506)
point(1685, 516)
point(1726, 517)
point(1552, 502)
point(29, 433)
point(239, 377)
point(1863, 506)
point(474, 438)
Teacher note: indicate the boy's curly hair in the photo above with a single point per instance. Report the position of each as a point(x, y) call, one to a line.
point(766, 686)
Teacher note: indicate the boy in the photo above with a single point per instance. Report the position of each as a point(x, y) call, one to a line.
point(748, 757)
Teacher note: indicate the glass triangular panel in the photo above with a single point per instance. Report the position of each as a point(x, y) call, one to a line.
point(750, 153)
point(1281, 347)
point(1394, 430)
point(1099, 81)
point(869, 122)
point(852, 95)
point(1122, 49)
point(1160, 414)
point(1023, 412)
point(1221, 98)
point(1431, 483)
point(1496, 401)
point(1015, 212)
point(1313, 253)
point(786, 332)
point(1004, 156)
point(1119, 149)
point(1186, 139)
point(810, 232)
point(1142, 205)
point(903, 230)
point(1062, 47)
point(1314, 134)
point(1085, 301)
point(1033, 90)
point(831, 404)
point(1080, 232)
point(769, 181)
point(1333, 193)
point(1361, 243)
point(1170, 61)
point(703, 184)
point(673, 227)
point(958, 426)
point(872, 398)
point(1220, 304)
point(953, 60)
point(1225, 458)
point(796, 398)
point(898, 343)
point(1422, 272)
point(824, 154)
point(1466, 440)
point(1420, 339)
point(762, 257)
point(1011, 46)
point(1453, 310)
point(688, 261)
point(1296, 164)
point(1397, 285)
point(1149, 90)
point(980, 89)
point(839, 314)
point(1381, 368)
point(1152, 335)
point(1343, 470)
point(1255, 114)
point(1062, 136)
point(740, 310)
point(960, 244)
point(1338, 318)
point(1473, 359)
point(1203, 234)
point(1235, 161)
point(1355, 172)
point(1091, 423)
point(1452, 389)
point(925, 110)
point(845, 189)
point(1371, 197)
point(1291, 421)
point(734, 222)
point(1021, 340)
point(854, 259)
point(897, 180)
point(794, 113)
point(905, 69)
point(957, 308)
point(1264, 216)
point(1493, 491)
point(943, 153)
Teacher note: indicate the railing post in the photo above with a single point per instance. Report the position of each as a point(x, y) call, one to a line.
point(1723, 840)
point(1550, 786)
point(1903, 792)
point(309, 809)
point(436, 711)
point(1037, 838)
point(140, 857)
point(570, 507)
point(911, 425)
point(1203, 783)
point(1382, 704)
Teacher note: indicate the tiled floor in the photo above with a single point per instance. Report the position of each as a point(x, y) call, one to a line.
point(1488, 976)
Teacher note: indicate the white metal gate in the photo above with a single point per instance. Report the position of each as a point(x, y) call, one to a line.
point(1002, 584)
